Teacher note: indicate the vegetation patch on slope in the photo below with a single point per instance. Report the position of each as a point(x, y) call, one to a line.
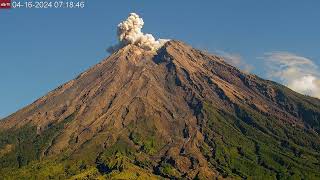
point(249, 145)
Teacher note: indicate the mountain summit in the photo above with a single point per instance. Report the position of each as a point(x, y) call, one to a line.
point(175, 113)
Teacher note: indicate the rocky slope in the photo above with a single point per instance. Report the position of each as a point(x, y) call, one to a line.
point(176, 113)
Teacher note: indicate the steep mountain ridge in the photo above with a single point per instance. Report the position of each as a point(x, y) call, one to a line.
point(174, 113)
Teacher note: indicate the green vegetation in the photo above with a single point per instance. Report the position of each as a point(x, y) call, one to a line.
point(143, 134)
point(308, 108)
point(241, 145)
point(167, 170)
point(27, 145)
point(249, 145)
point(148, 144)
point(120, 162)
point(52, 169)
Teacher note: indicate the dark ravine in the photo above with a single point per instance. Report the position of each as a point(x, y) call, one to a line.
point(179, 113)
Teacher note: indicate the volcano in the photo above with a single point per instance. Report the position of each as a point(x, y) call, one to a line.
point(174, 113)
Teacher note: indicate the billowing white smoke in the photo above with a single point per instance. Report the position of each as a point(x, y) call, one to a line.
point(129, 32)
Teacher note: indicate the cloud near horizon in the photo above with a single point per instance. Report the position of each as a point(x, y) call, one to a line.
point(235, 60)
point(298, 73)
point(129, 31)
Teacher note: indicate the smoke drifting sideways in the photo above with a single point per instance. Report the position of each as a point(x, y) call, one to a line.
point(129, 32)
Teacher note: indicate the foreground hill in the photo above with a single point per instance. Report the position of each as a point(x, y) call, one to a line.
point(177, 113)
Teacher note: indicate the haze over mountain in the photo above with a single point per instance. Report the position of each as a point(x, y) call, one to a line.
point(164, 113)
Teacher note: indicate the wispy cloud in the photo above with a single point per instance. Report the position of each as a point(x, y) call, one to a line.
point(299, 73)
point(235, 60)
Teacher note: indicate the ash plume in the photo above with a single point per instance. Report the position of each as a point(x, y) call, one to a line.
point(129, 32)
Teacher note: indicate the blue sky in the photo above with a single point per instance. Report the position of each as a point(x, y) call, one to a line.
point(43, 48)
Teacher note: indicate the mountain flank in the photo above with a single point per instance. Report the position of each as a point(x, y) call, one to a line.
point(174, 113)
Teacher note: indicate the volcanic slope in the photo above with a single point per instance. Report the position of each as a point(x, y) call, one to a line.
point(175, 113)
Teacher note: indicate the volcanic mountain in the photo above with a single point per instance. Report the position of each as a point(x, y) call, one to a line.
point(178, 113)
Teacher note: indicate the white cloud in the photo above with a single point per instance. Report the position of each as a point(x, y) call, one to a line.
point(298, 73)
point(129, 32)
point(235, 60)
